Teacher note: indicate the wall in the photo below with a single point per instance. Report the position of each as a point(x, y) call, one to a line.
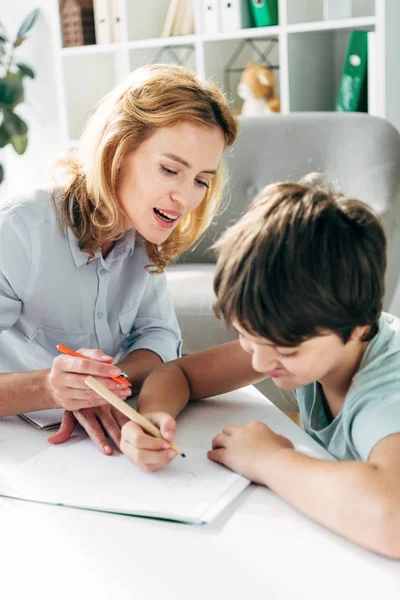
point(40, 109)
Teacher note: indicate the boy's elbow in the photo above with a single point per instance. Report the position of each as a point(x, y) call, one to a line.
point(386, 540)
point(390, 546)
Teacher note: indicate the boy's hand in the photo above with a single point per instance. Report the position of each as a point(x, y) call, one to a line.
point(245, 448)
point(144, 450)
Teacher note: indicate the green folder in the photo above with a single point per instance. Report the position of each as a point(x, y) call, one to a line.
point(264, 12)
point(353, 86)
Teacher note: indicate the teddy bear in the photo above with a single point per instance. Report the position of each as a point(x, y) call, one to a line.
point(257, 88)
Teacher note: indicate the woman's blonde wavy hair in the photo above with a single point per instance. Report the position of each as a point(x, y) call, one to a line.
point(151, 97)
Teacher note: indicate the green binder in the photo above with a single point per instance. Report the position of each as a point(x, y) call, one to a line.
point(353, 86)
point(264, 12)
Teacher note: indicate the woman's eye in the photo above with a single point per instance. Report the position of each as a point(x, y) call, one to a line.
point(168, 171)
point(202, 183)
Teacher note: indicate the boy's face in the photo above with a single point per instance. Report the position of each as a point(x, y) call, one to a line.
point(316, 359)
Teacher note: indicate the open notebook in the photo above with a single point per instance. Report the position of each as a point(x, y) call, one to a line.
point(191, 490)
point(44, 419)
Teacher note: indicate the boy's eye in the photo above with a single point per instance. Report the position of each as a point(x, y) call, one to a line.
point(290, 355)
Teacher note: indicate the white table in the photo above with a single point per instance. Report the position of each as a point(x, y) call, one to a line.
point(260, 548)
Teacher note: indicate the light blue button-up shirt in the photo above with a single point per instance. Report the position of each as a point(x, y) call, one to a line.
point(50, 295)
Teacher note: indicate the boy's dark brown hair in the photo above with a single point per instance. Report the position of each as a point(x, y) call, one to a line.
point(302, 260)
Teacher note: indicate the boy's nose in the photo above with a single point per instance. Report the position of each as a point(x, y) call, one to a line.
point(262, 364)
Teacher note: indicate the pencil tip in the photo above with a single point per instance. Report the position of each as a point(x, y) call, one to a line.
point(183, 455)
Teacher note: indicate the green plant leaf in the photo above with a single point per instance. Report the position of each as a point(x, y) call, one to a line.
point(13, 124)
point(25, 70)
point(11, 90)
point(3, 33)
point(1, 174)
point(19, 143)
point(4, 137)
point(26, 26)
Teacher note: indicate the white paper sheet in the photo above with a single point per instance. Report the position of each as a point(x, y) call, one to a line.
point(77, 474)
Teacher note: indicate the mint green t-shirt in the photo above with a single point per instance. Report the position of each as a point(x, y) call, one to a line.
point(371, 410)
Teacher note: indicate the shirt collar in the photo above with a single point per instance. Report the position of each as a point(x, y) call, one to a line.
point(123, 248)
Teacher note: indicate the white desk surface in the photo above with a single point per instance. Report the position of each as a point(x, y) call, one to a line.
point(260, 548)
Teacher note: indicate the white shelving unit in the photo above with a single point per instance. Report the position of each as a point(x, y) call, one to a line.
point(309, 51)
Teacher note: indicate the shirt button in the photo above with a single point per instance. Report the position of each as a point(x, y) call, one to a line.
point(103, 272)
point(100, 314)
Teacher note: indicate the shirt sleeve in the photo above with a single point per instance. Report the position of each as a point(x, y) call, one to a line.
point(15, 266)
point(375, 421)
point(156, 326)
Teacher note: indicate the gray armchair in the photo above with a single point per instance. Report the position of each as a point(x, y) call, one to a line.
point(361, 154)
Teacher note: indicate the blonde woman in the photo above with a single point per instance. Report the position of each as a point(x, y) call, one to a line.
point(82, 264)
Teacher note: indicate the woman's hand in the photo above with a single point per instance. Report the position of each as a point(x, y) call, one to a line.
point(66, 380)
point(100, 423)
point(67, 385)
point(144, 450)
point(246, 448)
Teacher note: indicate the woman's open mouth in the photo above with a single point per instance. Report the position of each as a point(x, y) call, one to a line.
point(164, 218)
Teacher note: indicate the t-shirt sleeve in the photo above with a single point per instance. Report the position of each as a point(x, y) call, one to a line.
point(376, 420)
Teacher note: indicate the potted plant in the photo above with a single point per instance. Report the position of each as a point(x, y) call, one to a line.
point(13, 129)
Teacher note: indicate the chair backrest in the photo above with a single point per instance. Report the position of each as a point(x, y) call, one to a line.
point(359, 153)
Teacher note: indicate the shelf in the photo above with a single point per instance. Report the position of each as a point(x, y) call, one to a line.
point(308, 57)
point(217, 55)
point(367, 23)
point(240, 34)
point(178, 40)
point(250, 33)
point(91, 49)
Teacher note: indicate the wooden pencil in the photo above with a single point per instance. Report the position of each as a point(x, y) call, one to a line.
point(127, 410)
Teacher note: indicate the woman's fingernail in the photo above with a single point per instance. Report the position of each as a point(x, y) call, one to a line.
point(171, 454)
point(166, 446)
point(114, 372)
point(107, 449)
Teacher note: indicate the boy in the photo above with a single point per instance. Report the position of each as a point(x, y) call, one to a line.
point(301, 279)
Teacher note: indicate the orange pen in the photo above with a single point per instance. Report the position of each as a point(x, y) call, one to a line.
point(65, 350)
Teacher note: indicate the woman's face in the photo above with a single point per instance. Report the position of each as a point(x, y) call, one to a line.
point(167, 177)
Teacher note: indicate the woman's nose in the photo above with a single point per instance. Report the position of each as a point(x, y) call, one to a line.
point(183, 195)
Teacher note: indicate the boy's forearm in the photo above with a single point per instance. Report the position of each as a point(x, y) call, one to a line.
point(351, 498)
point(208, 373)
point(165, 390)
point(138, 365)
point(24, 392)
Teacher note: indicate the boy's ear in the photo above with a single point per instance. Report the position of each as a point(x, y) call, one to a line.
point(359, 332)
